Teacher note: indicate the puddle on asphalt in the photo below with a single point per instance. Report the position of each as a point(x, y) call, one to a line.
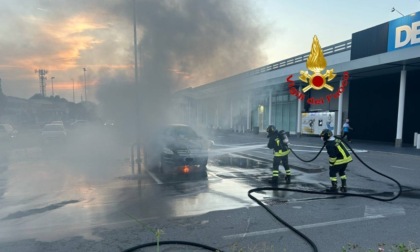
point(21, 214)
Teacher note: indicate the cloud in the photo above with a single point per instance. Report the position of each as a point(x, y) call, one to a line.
point(184, 43)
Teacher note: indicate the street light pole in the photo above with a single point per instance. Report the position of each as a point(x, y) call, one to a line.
point(393, 9)
point(84, 72)
point(136, 72)
point(52, 86)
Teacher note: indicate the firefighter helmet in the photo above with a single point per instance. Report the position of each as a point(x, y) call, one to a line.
point(271, 129)
point(325, 134)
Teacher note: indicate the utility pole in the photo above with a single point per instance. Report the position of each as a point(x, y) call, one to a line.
point(52, 86)
point(42, 80)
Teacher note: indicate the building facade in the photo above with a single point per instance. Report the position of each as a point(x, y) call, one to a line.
point(375, 86)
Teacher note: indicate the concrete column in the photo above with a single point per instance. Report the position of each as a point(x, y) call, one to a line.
point(231, 115)
point(340, 112)
point(269, 107)
point(197, 113)
point(299, 115)
point(207, 114)
point(248, 113)
point(398, 139)
point(217, 115)
point(189, 112)
point(418, 143)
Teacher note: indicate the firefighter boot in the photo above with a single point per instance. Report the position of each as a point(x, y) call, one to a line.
point(343, 187)
point(333, 188)
point(275, 181)
point(287, 178)
point(275, 178)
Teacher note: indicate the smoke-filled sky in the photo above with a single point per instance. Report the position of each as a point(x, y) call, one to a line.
point(184, 42)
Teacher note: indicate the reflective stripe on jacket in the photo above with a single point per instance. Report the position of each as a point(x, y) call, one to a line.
point(279, 147)
point(338, 153)
point(281, 153)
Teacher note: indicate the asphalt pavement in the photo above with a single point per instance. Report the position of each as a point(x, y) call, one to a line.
point(108, 214)
point(307, 147)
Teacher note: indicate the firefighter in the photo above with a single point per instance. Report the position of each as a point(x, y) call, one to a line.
point(278, 141)
point(339, 157)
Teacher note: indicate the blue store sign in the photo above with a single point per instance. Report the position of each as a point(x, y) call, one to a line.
point(404, 32)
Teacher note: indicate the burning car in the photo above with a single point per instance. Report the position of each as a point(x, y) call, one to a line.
point(178, 150)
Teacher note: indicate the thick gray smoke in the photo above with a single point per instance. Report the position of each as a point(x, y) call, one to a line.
point(183, 43)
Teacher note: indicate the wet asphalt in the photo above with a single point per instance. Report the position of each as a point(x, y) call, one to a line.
point(80, 203)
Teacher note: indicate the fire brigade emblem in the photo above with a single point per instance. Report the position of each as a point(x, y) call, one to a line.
point(316, 63)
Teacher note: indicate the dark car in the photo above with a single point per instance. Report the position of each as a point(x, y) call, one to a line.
point(178, 150)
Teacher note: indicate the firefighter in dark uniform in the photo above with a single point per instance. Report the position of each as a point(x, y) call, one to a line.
point(339, 157)
point(278, 141)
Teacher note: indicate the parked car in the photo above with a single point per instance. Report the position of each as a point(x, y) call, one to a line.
point(7, 132)
point(79, 124)
point(109, 123)
point(178, 150)
point(53, 132)
point(57, 122)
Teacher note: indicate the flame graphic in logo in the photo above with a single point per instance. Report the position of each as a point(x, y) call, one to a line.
point(316, 63)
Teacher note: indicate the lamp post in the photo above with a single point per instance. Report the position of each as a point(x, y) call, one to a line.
point(84, 72)
point(136, 73)
point(52, 86)
point(393, 9)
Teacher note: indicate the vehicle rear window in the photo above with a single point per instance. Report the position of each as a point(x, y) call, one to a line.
point(182, 131)
point(53, 127)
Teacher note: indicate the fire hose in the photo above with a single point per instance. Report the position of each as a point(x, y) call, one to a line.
point(309, 241)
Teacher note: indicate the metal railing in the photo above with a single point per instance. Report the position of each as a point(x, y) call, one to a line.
point(328, 50)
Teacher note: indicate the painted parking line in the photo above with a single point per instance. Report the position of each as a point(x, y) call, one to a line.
point(371, 213)
point(315, 225)
point(151, 174)
point(400, 167)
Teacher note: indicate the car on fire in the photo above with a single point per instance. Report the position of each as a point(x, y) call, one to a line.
point(178, 150)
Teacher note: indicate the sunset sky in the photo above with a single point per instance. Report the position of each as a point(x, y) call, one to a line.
point(193, 42)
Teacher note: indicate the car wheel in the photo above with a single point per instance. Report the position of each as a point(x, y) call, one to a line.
point(203, 171)
point(151, 161)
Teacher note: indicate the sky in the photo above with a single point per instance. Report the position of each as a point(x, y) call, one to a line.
point(184, 43)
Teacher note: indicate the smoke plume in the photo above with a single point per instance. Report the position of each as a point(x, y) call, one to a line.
point(183, 43)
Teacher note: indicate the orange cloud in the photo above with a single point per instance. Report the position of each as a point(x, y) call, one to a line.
point(65, 40)
point(72, 36)
point(181, 74)
point(68, 85)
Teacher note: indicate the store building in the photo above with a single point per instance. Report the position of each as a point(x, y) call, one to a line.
point(376, 86)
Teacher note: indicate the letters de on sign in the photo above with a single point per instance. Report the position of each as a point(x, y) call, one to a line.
point(405, 34)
